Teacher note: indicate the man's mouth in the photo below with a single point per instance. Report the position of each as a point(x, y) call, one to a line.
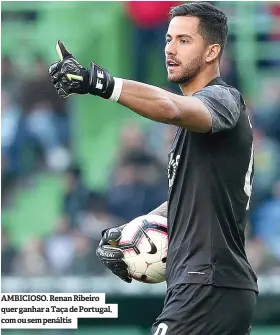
point(171, 64)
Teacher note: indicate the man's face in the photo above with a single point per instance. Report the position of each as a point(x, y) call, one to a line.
point(185, 49)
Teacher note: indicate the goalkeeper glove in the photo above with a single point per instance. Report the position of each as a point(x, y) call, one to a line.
point(112, 257)
point(69, 77)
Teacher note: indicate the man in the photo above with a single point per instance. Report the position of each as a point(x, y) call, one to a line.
point(211, 288)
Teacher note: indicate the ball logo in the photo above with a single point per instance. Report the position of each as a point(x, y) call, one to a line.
point(172, 168)
point(153, 246)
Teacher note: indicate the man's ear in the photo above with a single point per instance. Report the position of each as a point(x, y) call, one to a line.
point(213, 53)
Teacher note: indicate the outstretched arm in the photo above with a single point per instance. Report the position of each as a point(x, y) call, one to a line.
point(161, 210)
point(69, 77)
point(204, 112)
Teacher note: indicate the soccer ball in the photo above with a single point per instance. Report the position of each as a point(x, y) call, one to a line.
point(144, 243)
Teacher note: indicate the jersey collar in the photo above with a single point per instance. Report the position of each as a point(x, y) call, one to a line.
point(216, 81)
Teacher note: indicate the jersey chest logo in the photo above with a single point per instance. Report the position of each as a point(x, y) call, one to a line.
point(172, 168)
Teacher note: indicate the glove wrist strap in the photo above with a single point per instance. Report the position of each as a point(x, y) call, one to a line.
point(100, 83)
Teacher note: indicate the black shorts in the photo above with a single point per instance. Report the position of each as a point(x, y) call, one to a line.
point(194, 309)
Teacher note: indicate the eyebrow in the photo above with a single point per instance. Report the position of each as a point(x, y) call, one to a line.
point(180, 35)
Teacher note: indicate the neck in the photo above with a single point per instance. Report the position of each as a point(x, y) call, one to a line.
point(200, 81)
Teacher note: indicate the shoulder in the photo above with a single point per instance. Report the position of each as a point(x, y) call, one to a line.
point(224, 103)
point(221, 93)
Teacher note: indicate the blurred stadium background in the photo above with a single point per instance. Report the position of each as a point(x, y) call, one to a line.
point(72, 168)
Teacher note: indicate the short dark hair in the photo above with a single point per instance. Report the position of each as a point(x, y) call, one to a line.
point(212, 21)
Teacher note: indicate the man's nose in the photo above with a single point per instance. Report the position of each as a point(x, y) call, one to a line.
point(170, 49)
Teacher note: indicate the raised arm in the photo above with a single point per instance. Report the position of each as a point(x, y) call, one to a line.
point(202, 112)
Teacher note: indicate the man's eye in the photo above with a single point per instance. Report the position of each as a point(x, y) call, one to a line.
point(184, 41)
point(167, 41)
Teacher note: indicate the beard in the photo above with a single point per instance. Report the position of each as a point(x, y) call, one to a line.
point(190, 71)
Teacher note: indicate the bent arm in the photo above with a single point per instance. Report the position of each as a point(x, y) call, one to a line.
point(161, 210)
point(160, 105)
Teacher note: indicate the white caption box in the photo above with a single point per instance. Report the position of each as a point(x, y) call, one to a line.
point(52, 310)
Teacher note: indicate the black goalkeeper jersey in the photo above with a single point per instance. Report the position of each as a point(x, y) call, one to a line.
point(210, 182)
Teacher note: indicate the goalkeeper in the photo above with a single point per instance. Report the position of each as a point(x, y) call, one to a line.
point(211, 287)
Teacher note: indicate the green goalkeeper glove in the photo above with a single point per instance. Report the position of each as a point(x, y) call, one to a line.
point(69, 77)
